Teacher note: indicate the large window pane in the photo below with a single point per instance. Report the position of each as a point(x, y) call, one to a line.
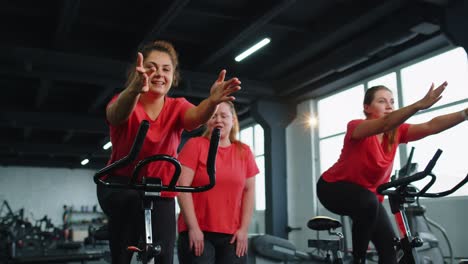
point(260, 184)
point(450, 66)
point(259, 140)
point(253, 136)
point(335, 111)
point(388, 81)
point(330, 150)
point(246, 136)
point(452, 165)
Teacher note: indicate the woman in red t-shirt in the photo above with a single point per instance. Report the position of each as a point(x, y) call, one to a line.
point(366, 160)
point(213, 225)
point(145, 98)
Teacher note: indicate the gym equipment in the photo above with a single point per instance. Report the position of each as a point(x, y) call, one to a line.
point(24, 242)
point(150, 187)
point(265, 249)
point(333, 248)
point(403, 193)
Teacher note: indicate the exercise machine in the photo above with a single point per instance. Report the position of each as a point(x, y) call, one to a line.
point(151, 187)
point(401, 192)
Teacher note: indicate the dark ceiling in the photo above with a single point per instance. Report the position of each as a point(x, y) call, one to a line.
point(61, 61)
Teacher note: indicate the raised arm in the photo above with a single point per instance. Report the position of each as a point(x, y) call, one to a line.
point(120, 109)
point(388, 122)
point(187, 210)
point(220, 91)
point(436, 125)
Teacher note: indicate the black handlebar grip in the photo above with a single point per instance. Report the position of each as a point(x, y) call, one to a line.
point(136, 147)
point(139, 139)
point(432, 162)
point(211, 160)
point(415, 177)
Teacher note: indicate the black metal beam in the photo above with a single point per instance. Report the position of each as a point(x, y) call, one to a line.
point(51, 163)
point(55, 150)
point(388, 36)
point(46, 64)
point(316, 44)
point(248, 31)
point(42, 92)
point(68, 13)
point(101, 98)
point(217, 15)
point(163, 22)
point(53, 121)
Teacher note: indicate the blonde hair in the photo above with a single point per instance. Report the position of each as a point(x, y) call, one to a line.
point(162, 46)
point(234, 130)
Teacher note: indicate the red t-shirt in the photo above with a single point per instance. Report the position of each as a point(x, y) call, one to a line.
point(163, 137)
point(219, 209)
point(365, 161)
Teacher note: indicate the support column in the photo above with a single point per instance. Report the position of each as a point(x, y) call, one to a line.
point(274, 117)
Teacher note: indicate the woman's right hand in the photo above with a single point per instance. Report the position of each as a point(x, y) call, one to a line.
point(141, 84)
point(432, 96)
point(196, 241)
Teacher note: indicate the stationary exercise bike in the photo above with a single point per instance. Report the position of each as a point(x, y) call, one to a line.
point(151, 187)
point(404, 193)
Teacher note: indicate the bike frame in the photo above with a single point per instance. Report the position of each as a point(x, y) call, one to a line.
point(150, 187)
point(405, 193)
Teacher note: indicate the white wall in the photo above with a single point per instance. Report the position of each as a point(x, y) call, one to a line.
point(451, 213)
point(44, 191)
point(301, 180)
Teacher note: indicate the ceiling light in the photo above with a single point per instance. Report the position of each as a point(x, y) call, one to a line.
point(252, 49)
point(84, 162)
point(107, 145)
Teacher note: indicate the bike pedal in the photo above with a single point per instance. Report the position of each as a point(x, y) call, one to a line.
point(134, 249)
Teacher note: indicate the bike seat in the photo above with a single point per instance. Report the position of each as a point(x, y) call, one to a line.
point(320, 223)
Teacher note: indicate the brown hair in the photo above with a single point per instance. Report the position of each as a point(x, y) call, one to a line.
point(162, 46)
point(234, 130)
point(368, 98)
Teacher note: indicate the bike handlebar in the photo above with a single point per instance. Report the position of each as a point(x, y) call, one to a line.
point(383, 189)
point(148, 187)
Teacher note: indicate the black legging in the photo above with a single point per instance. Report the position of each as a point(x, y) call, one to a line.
point(217, 250)
point(370, 219)
point(126, 225)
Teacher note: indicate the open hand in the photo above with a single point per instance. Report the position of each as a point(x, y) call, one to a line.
point(241, 239)
point(145, 75)
point(221, 90)
point(432, 96)
point(196, 241)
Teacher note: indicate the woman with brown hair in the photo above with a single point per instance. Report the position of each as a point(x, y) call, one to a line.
point(366, 160)
point(145, 98)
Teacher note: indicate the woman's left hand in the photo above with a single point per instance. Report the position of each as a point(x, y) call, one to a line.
point(221, 90)
point(242, 242)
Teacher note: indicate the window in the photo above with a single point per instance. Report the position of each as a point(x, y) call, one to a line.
point(334, 113)
point(253, 136)
point(450, 66)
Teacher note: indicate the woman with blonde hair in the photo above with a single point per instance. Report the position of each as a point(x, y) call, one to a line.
point(213, 225)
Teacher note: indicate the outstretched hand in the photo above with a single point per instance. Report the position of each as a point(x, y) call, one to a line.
point(221, 90)
point(144, 74)
point(432, 96)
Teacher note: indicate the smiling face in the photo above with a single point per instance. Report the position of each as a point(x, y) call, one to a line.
point(161, 80)
point(381, 102)
point(222, 119)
